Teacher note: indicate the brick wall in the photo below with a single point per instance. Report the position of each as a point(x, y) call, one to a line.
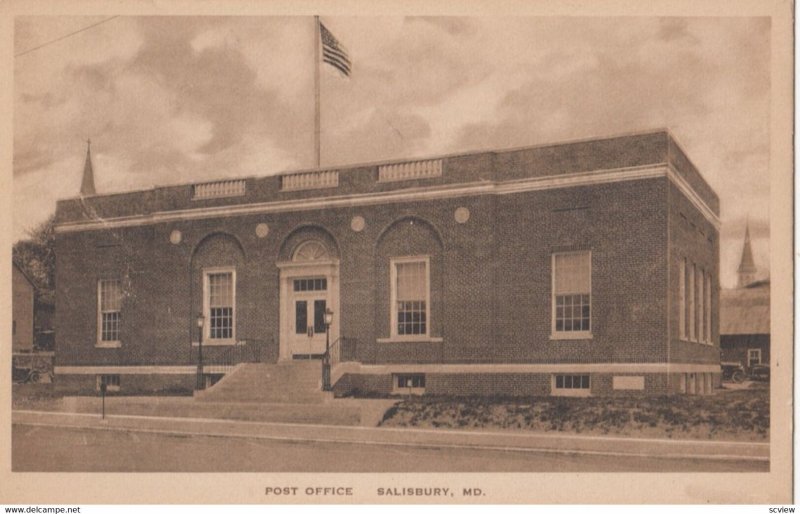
point(130, 385)
point(694, 238)
point(490, 277)
point(624, 227)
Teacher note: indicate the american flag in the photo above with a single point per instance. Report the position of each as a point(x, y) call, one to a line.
point(334, 52)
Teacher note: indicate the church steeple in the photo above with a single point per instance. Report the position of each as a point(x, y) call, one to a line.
point(87, 184)
point(747, 266)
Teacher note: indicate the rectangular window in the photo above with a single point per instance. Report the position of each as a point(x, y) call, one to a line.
point(572, 284)
point(682, 300)
point(571, 385)
point(753, 357)
point(691, 309)
point(111, 382)
point(219, 299)
point(410, 296)
point(701, 300)
point(708, 308)
point(310, 284)
point(109, 303)
point(410, 383)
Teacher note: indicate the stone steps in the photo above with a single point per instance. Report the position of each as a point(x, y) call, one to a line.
point(290, 382)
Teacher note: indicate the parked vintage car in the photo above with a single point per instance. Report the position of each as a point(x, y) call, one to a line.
point(733, 372)
point(759, 372)
point(32, 367)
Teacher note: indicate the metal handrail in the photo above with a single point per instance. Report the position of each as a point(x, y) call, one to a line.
point(244, 351)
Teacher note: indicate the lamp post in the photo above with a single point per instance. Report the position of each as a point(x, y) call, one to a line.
point(200, 382)
point(326, 359)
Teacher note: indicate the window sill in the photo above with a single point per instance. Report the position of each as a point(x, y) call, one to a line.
point(703, 343)
point(570, 392)
point(561, 336)
point(108, 344)
point(409, 391)
point(410, 339)
point(217, 342)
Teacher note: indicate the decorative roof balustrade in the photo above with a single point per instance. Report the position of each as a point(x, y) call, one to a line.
point(410, 170)
point(310, 180)
point(219, 189)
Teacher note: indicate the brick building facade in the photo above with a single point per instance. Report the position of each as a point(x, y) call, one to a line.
point(588, 267)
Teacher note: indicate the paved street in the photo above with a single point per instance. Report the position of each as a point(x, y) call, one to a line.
point(51, 448)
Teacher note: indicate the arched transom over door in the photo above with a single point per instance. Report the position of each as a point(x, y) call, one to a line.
point(310, 251)
point(309, 286)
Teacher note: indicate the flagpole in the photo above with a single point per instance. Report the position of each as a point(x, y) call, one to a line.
point(316, 91)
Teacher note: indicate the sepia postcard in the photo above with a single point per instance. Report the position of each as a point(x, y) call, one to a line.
point(441, 252)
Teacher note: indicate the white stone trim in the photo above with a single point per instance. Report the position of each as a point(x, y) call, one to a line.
point(317, 179)
point(410, 339)
point(683, 185)
point(410, 170)
point(538, 368)
point(417, 368)
point(415, 194)
point(219, 189)
point(135, 370)
point(627, 383)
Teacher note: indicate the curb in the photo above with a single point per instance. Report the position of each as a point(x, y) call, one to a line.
point(484, 441)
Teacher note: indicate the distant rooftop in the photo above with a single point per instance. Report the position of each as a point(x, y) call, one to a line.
point(745, 310)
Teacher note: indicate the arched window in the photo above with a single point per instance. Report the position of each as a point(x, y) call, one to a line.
point(310, 251)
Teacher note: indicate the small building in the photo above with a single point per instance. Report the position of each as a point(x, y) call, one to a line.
point(22, 292)
point(745, 315)
point(581, 268)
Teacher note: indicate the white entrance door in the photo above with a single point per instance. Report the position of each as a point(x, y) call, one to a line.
point(309, 299)
point(309, 286)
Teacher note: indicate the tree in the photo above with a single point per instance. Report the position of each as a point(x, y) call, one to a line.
point(37, 258)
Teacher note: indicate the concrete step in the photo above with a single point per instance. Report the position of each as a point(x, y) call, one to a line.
point(285, 382)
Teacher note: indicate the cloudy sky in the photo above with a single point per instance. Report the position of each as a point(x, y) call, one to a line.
point(167, 100)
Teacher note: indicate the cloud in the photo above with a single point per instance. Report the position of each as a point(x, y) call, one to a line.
point(388, 132)
point(171, 99)
point(453, 25)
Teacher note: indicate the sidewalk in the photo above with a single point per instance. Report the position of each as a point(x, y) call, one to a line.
point(496, 441)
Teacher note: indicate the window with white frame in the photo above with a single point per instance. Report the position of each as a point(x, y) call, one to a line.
point(410, 296)
point(572, 291)
point(753, 356)
point(708, 308)
point(409, 383)
point(701, 298)
point(570, 385)
point(109, 307)
point(682, 299)
point(219, 304)
point(691, 309)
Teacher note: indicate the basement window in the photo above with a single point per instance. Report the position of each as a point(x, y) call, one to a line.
point(111, 382)
point(409, 383)
point(570, 385)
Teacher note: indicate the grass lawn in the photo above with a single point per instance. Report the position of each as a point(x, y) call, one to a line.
point(34, 397)
point(741, 415)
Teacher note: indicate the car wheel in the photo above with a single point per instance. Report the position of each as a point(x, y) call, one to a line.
point(738, 377)
point(33, 377)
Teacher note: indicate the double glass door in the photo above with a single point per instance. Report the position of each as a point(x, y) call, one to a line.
point(309, 302)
